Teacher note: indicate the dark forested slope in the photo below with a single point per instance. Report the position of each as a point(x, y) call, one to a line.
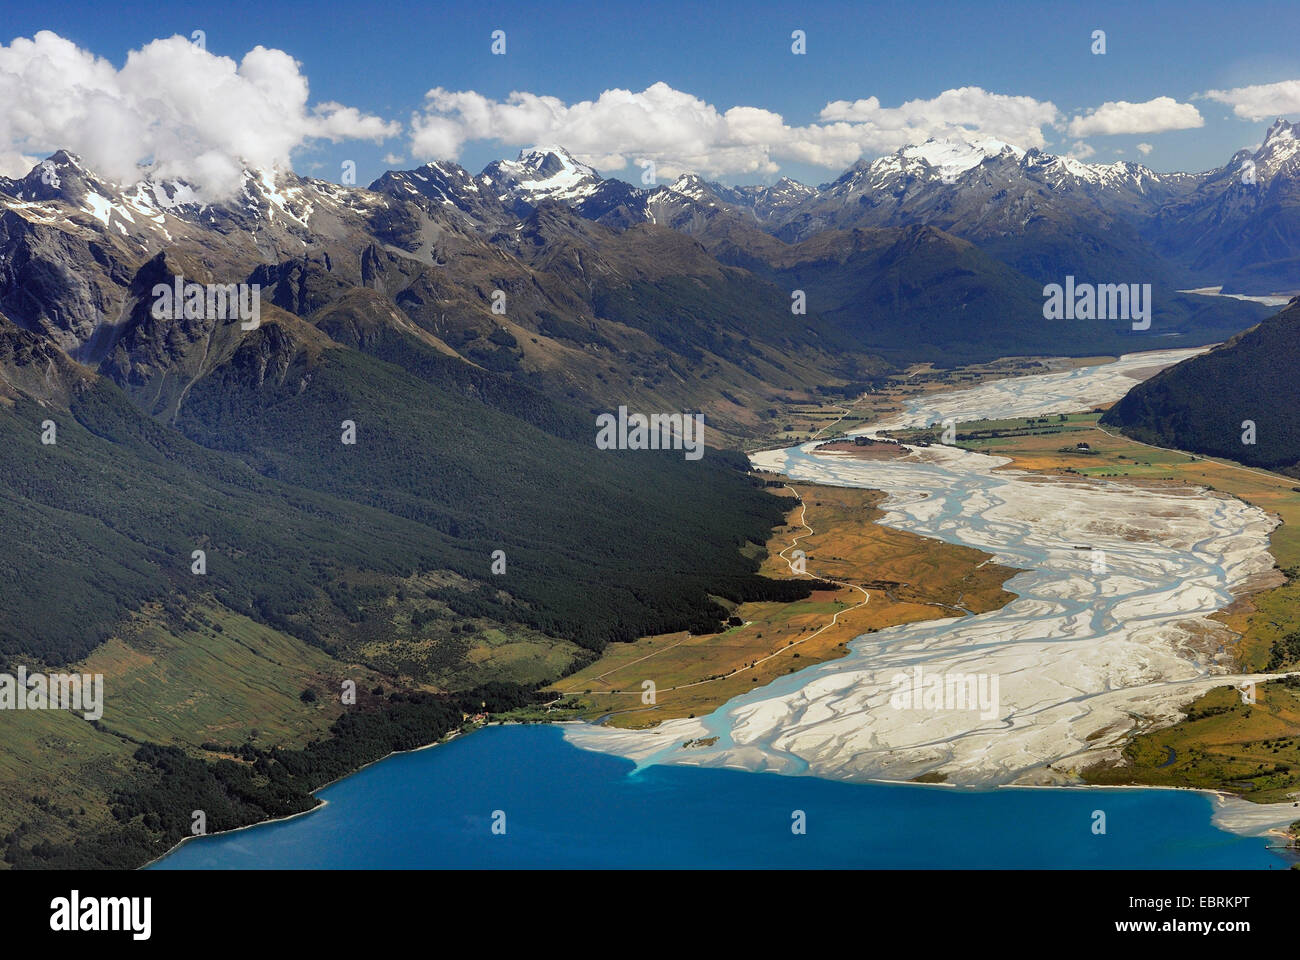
point(1208, 404)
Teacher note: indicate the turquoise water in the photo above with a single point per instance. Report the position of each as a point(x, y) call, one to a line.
point(567, 807)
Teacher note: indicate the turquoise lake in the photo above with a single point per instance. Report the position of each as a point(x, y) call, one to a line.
point(571, 808)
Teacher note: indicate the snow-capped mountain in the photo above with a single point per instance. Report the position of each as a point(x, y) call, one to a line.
point(540, 174)
point(443, 185)
point(508, 190)
point(1044, 216)
point(764, 202)
point(932, 182)
point(69, 238)
point(935, 161)
point(62, 180)
point(1279, 154)
point(420, 254)
point(1240, 226)
point(695, 188)
point(280, 207)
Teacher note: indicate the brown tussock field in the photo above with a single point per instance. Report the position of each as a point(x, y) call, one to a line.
point(908, 578)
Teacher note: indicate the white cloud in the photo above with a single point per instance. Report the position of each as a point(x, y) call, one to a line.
point(963, 112)
point(1080, 150)
point(681, 132)
point(676, 130)
point(1144, 148)
point(181, 110)
point(1261, 101)
point(335, 122)
point(1120, 116)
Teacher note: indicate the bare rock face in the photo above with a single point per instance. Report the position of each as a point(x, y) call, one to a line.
point(33, 366)
point(543, 271)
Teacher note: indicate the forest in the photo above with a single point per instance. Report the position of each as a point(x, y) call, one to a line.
point(155, 810)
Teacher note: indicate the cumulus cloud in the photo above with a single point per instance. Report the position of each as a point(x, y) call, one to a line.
point(964, 112)
point(1261, 101)
point(1120, 116)
point(1144, 148)
point(681, 132)
point(173, 110)
point(677, 130)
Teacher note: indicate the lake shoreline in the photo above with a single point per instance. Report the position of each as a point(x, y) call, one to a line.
point(319, 805)
point(433, 813)
point(1247, 819)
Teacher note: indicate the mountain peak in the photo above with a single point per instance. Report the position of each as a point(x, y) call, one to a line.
point(64, 158)
point(691, 185)
point(550, 160)
point(60, 176)
point(445, 168)
point(1280, 130)
point(544, 150)
point(953, 157)
point(541, 173)
point(1279, 152)
point(787, 182)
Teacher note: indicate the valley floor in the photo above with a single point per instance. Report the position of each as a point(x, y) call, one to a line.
point(1086, 661)
point(1223, 743)
point(906, 578)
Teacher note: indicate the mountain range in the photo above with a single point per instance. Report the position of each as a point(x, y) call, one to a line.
point(977, 228)
point(569, 246)
point(464, 330)
point(1232, 226)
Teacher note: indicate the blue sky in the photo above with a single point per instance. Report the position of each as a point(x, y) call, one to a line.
point(382, 60)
